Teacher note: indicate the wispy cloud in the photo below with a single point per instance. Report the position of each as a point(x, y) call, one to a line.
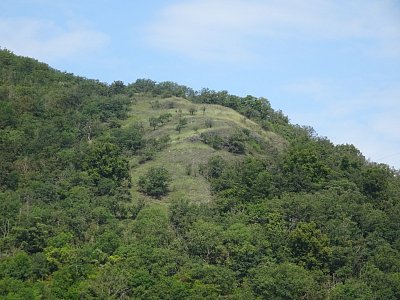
point(47, 41)
point(221, 29)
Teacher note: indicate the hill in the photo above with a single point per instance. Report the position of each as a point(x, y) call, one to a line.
point(189, 147)
point(156, 191)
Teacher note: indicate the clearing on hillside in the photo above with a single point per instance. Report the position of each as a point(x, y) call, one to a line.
point(192, 133)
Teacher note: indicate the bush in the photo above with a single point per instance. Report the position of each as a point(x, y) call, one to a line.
point(152, 146)
point(181, 124)
point(235, 144)
point(155, 182)
point(192, 110)
point(212, 139)
point(208, 123)
point(130, 138)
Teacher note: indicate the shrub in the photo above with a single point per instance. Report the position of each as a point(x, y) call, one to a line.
point(181, 124)
point(192, 110)
point(169, 105)
point(235, 144)
point(212, 139)
point(155, 182)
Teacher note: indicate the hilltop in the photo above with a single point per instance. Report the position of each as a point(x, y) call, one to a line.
point(153, 190)
point(190, 147)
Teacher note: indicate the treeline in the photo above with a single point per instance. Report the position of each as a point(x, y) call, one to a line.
point(258, 109)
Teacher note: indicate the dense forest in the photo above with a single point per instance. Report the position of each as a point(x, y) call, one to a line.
point(100, 200)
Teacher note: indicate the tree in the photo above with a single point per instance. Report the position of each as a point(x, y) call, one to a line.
point(152, 228)
point(283, 281)
point(104, 160)
point(375, 182)
point(117, 87)
point(181, 124)
point(143, 86)
point(310, 247)
point(352, 289)
point(130, 137)
point(155, 182)
point(205, 240)
point(307, 165)
point(181, 215)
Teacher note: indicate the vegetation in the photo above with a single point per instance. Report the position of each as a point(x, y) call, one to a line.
point(155, 182)
point(155, 191)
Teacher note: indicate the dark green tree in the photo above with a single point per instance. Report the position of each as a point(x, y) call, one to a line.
point(104, 161)
point(310, 247)
point(155, 182)
point(284, 281)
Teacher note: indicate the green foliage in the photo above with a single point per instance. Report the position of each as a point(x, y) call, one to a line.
point(117, 87)
point(309, 246)
point(284, 281)
point(234, 143)
point(204, 240)
point(375, 181)
point(142, 86)
point(152, 227)
point(130, 138)
point(249, 180)
point(155, 182)
point(182, 214)
point(214, 140)
point(214, 167)
point(302, 219)
point(152, 146)
point(103, 160)
point(50, 150)
point(182, 122)
point(9, 207)
point(215, 279)
point(19, 266)
point(307, 165)
point(353, 289)
point(160, 120)
point(153, 121)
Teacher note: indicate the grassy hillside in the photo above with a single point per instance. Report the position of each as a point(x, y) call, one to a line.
point(185, 152)
point(156, 191)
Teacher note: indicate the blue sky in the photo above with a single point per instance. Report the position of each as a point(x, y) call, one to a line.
point(333, 65)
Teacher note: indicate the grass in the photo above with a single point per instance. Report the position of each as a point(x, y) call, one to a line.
point(185, 152)
point(176, 160)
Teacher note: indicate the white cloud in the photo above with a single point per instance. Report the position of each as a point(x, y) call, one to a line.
point(221, 29)
point(47, 41)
